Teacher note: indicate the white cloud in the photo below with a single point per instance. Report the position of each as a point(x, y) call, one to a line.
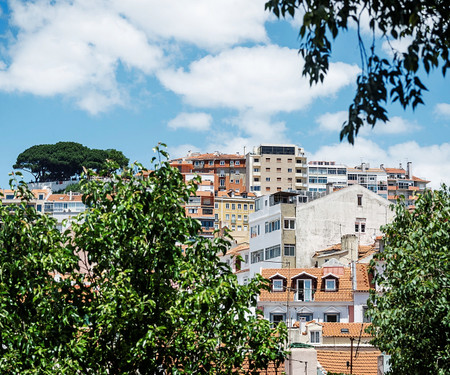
point(394, 46)
point(75, 48)
point(208, 24)
point(442, 109)
point(191, 121)
point(182, 150)
point(266, 79)
point(332, 122)
point(424, 158)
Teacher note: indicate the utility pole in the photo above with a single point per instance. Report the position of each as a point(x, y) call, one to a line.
point(351, 354)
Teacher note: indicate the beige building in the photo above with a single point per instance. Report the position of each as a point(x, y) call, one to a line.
point(272, 168)
point(232, 210)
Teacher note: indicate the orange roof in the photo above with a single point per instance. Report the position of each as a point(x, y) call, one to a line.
point(354, 329)
point(65, 198)
point(362, 278)
point(395, 170)
point(344, 292)
point(237, 249)
point(204, 194)
point(35, 192)
point(419, 179)
point(209, 156)
point(364, 363)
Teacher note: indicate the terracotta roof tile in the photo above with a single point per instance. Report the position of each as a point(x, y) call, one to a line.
point(344, 292)
point(395, 170)
point(65, 198)
point(209, 156)
point(419, 179)
point(354, 329)
point(364, 363)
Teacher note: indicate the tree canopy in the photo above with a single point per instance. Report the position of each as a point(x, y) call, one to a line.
point(422, 25)
point(411, 317)
point(63, 160)
point(155, 298)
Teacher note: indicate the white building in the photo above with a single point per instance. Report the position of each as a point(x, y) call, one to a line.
point(323, 221)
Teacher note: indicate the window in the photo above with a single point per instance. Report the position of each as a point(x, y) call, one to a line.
point(289, 250)
point(360, 225)
point(216, 217)
point(352, 177)
point(245, 207)
point(289, 170)
point(256, 179)
point(233, 206)
point(222, 182)
point(304, 290)
point(268, 179)
point(256, 160)
point(227, 217)
point(207, 211)
point(331, 318)
point(315, 337)
point(246, 258)
point(289, 160)
point(251, 207)
point(239, 217)
point(245, 218)
point(227, 205)
point(278, 160)
point(278, 188)
point(192, 210)
point(277, 285)
point(255, 169)
point(278, 179)
point(289, 223)
point(239, 228)
point(267, 169)
point(277, 318)
point(304, 317)
point(233, 219)
point(239, 206)
point(360, 200)
point(237, 162)
point(222, 162)
point(216, 205)
point(267, 188)
point(41, 196)
point(257, 256)
point(278, 170)
point(273, 252)
point(254, 231)
point(330, 284)
point(271, 226)
point(267, 160)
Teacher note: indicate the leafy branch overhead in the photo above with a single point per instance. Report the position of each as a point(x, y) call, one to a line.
point(63, 160)
point(423, 25)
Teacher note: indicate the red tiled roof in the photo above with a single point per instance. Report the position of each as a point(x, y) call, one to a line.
point(344, 292)
point(364, 363)
point(419, 179)
point(209, 156)
point(354, 329)
point(65, 198)
point(395, 170)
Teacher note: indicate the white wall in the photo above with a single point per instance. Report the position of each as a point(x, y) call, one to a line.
point(322, 222)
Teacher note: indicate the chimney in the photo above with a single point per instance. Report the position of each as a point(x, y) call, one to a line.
point(400, 166)
point(350, 243)
point(381, 166)
point(363, 167)
point(329, 188)
point(409, 170)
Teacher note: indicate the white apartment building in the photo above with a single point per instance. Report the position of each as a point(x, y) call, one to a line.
point(272, 232)
point(321, 173)
point(374, 179)
point(272, 168)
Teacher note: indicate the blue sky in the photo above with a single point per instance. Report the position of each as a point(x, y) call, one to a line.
point(202, 75)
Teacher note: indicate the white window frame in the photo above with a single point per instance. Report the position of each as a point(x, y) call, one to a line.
point(314, 337)
point(276, 287)
point(330, 287)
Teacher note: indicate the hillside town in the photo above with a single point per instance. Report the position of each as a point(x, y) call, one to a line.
point(310, 228)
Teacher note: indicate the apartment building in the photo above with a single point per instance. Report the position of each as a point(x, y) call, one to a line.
point(321, 173)
point(272, 168)
point(229, 169)
point(232, 210)
point(374, 179)
point(40, 196)
point(402, 183)
point(273, 232)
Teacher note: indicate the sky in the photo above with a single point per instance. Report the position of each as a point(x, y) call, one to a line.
point(202, 75)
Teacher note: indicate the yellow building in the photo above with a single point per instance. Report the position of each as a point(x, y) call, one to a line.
point(232, 210)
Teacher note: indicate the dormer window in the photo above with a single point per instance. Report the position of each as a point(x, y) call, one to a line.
point(277, 285)
point(330, 285)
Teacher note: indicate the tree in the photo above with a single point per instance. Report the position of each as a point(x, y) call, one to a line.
point(422, 24)
point(156, 298)
point(411, 317)
point(64, 160)
point(37, 322)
